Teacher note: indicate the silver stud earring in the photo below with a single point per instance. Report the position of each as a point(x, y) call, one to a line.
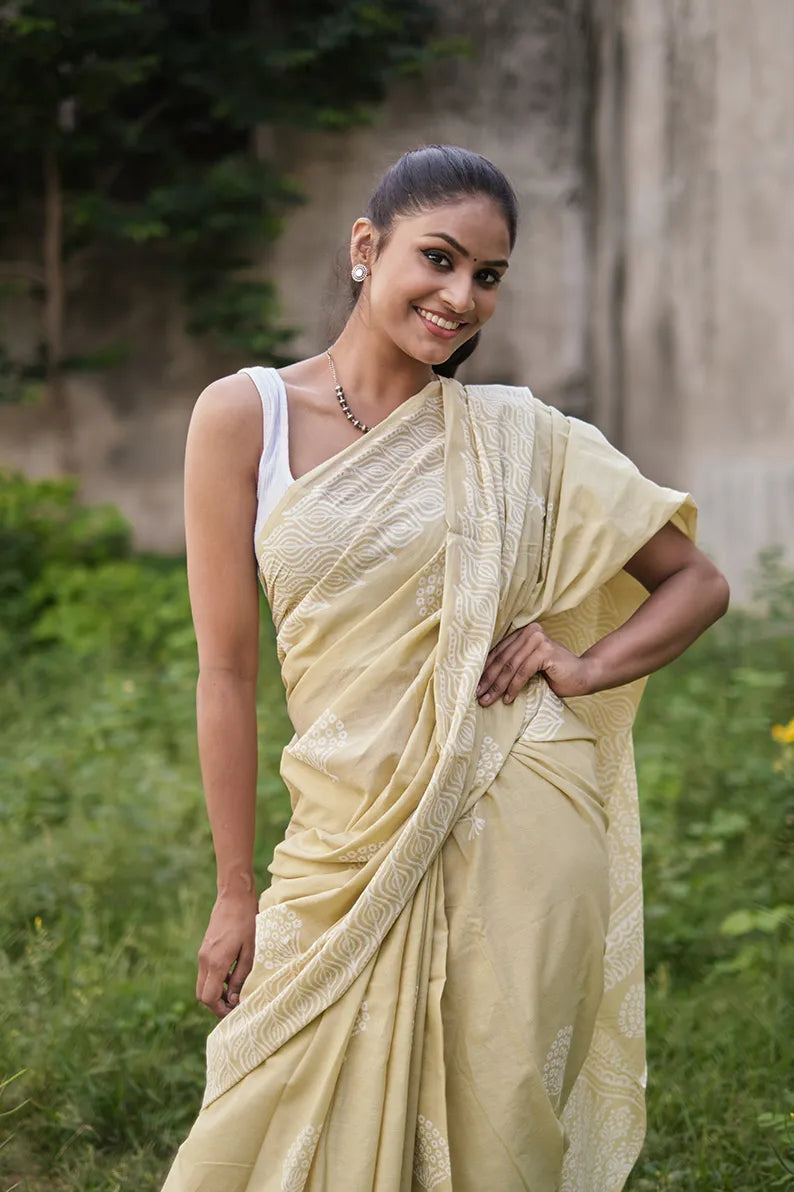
point(359, 272)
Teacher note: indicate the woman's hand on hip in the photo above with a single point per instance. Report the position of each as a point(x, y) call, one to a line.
point(524, 653)
point(226, 955)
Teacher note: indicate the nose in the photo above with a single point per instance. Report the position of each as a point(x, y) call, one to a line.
point(458, 293)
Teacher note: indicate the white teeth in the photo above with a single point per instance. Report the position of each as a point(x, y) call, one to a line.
point(431, 318)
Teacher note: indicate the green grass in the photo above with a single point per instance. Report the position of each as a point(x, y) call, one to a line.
point(107, 880)
point(107, 883)
point(718, 831)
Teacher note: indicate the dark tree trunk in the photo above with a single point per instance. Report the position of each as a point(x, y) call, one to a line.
point(54, 308)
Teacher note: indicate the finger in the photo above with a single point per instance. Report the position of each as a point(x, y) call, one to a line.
point(238, 976)
point(201, 975)
point(530, 665)
point(496, 651)
point(217, 1004)
point(504, 643)
point(498, 676)
point(527, 638)
point(211, 994)
point(200, 978)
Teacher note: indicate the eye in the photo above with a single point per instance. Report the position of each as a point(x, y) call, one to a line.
point(489, 277)
point(436, 257)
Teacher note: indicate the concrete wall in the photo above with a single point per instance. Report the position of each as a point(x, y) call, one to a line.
point(652, 286)
point(129, 421)
point(522, 101)
point(694, 257)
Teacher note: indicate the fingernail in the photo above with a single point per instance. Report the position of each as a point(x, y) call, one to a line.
point(233, 999)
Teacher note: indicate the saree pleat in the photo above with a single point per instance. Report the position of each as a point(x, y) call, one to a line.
point(447, 987)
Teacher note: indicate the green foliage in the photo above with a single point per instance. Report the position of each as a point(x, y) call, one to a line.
point(131, 608)
point(243, 313)
point(67, 580)
point(43, 533)
point(108, 877)
point(717, 795)
point(107, 885)
point(145, 115)
point(773, 590)
point(20, 381)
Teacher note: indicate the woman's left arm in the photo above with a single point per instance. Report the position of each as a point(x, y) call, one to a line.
point(687, 594)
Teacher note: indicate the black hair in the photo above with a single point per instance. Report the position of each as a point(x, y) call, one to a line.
point(426, 178)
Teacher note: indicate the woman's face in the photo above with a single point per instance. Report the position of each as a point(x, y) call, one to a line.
point(435, 283)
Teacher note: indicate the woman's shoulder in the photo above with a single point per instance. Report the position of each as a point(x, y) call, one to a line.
point(230, 399)
point(231, 406)
point(228, 415)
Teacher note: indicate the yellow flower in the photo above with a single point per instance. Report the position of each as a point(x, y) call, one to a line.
point(783, 733)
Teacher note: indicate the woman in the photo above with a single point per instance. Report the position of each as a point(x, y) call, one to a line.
point(442, 986)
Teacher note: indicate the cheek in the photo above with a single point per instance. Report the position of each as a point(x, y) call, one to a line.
point(486, 304)
point(392, 290)
point(394, 294)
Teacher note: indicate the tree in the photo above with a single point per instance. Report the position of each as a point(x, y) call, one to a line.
point(141, 122)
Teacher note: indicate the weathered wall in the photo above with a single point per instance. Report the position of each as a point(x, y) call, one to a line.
point(651, 287)
point(693, 361)
point(521, 100)
point(129, 421)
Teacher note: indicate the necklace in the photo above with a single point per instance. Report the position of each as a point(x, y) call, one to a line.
point(340, 397)
point(342, 401)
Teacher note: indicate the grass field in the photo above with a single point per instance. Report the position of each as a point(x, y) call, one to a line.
point(107, 880)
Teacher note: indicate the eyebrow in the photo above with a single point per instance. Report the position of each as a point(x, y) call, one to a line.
point(464, 252)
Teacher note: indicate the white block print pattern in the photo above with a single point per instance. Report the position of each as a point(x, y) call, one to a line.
point(316, 747)
point(277, 936)
point(332, 538)
point(545, 716)
point(536, 501)
point(361, 1021)
point(490, 762)
point(556, 1060)
point(631, 1019)
point(299, 1159)
point(475, 821)
point(479, 510)
point(430, 588)
point(431, 1154)
point(361, 853)
point(614, 1123)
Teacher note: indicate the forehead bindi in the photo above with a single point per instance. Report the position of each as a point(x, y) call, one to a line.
point(476, 230)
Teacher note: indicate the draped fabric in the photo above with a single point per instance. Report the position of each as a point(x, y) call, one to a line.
point(447, 991)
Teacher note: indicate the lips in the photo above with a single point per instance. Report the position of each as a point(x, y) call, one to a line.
point(437, 325)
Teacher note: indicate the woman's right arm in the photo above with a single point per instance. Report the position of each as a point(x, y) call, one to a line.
point(221, 459)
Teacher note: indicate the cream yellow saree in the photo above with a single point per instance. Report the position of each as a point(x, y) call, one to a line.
point(448, 984)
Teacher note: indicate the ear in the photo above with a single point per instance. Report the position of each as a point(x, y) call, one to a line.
point(363, 242)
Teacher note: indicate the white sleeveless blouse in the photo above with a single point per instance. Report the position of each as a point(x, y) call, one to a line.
point(274, 476)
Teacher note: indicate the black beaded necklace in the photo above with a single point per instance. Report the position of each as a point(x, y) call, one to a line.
point(340, 396)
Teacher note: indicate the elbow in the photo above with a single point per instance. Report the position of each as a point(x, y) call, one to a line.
point(717, 592)
point(215, 675)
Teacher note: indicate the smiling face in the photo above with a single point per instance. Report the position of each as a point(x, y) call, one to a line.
point(435, 282)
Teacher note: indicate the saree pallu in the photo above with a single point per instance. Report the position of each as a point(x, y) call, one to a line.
point(447, 990)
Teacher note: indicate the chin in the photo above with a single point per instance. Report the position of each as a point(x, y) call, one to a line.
point(431, 355)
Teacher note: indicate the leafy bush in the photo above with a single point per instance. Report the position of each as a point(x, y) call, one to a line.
point(67, 578)
point(130, 608)
point(108, 877)
point(108, 881)
point(44, 531)
point(716, 775)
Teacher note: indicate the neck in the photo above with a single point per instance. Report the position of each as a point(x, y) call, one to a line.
point(375, 375)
